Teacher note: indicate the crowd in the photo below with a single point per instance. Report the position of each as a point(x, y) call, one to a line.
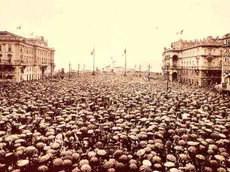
point(112, 124)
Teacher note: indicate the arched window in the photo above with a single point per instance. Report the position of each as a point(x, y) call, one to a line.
point(9, 48)
point(9, 57)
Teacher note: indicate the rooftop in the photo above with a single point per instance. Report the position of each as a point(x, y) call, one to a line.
point(187, 44)
point(40, 41)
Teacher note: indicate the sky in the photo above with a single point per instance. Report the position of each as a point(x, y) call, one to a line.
point(143, 27)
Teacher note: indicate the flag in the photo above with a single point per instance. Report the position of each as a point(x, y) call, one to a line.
point(125, 51)
point(112, 58)
point(19, 27)
point(181, 32)
point(92, 52)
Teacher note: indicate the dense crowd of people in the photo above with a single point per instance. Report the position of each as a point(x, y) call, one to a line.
point(108, 123)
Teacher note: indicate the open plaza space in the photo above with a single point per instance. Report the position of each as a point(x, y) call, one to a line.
point(112, 123)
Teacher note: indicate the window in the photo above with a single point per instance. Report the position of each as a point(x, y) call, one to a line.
point(0, 48)
point(9, 58)
point(9, 48)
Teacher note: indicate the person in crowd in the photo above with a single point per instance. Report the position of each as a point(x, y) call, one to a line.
point(111, 123)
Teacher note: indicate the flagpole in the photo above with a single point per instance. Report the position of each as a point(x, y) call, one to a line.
point(125, 61)
point(149, 72)
point(112, 64)
point(78, 72)
point(69, 69)
point(94, 60)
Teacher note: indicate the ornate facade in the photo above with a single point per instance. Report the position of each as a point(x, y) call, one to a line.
point(197, 62)
point(24, 58)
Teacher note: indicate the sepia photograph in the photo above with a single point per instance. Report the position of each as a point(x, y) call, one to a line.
point(115, 86)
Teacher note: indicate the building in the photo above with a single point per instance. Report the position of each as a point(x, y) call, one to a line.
point(107, 68)
point(118, 69)
point(225, 77)
point(24, 58)
point(197, 62)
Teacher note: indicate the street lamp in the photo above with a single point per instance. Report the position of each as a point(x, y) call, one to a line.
point(149, 66)
point(225, 67)
point(223, 64)
point(167, 76)
point(140, 70)
point(125, 63)
point(69, 69)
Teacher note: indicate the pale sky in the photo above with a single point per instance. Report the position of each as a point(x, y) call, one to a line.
point(144, 27)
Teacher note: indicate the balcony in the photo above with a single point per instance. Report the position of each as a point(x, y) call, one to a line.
point(202, 67)
point(17, 62)
point(9, 73)
point(174, 67)
point(43, 64)
point(20, 63)
point(209, 68)
point(6, 62)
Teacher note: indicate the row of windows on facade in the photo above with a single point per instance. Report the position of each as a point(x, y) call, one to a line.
point(193, 63)
point(210, 51)
point(30, 59)
point(189, 53)
point(28, 50)
point(32, 77)
point(8, 55)
point(31, 69)
point(192, 73)
point(40, 52)
point(9, 48)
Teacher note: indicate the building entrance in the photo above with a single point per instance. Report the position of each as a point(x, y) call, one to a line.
point(174, 76)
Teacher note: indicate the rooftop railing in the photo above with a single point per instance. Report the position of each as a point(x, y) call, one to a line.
point(174, 67)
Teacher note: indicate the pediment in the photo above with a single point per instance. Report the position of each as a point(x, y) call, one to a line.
point(7, 36)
